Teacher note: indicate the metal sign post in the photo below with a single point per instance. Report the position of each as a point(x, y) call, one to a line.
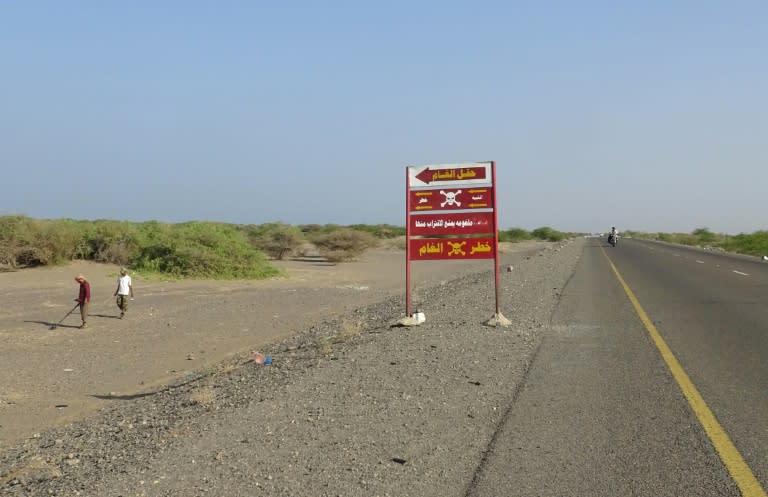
point(451, 215)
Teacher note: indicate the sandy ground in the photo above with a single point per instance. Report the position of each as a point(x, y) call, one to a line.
point(54, 376)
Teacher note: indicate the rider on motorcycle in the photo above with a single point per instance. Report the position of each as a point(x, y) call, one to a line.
point(612, 237)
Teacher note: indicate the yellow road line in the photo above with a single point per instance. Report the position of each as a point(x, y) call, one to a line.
point(729, 454)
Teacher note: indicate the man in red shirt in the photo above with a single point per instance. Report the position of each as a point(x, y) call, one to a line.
point(84, 298)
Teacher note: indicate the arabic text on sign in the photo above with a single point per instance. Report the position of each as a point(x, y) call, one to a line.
point(442, 223)
point(451, 174)
point(480, 247)
point(431, 248)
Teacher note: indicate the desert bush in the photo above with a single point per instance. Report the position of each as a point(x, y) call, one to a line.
point(13, 235)
point(277, 240)
point(41, 242)
point(7, 257)
point(201, 250)
point(704, 235)
point(59, 238)
point(312, 231)
point(14, 227)
point(548, 234)
point(685, 239)
point(120, 253)
point(380, 231)
point(111, 241)
point(31, 242)
point(194, 250)
point(700, 237)
point(750, 244)
point(514, 235)
point(344, 244)
point(28, 256)
point(397, 243)
point(638, 234)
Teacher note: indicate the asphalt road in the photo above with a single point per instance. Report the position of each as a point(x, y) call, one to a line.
point(619, 394)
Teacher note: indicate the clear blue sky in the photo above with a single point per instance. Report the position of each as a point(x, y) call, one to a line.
point(645, 115)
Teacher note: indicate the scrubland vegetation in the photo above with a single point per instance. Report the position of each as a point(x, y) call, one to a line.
point(231, 251)
point(544, 233)
point(183, 250)
point(198, 249)
point(749, 244)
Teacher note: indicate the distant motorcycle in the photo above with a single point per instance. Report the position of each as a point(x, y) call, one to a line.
point(613, 240)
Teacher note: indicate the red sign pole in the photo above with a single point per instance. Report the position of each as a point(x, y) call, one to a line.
point(407, 244)
point(496, 239)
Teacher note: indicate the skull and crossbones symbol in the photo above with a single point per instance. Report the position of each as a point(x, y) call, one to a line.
point(457, 248)
point(450, 198)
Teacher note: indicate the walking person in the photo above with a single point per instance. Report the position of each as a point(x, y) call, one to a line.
point(123, 291)
point(84, 298)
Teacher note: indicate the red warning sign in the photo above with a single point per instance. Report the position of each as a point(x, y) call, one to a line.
point(426, 249)
point(451, 199)
point(451, 223)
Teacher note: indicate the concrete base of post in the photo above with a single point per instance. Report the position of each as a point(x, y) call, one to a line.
point(409, 321)
point(498, 320)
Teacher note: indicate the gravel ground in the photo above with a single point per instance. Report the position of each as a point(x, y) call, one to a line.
point(350, 407)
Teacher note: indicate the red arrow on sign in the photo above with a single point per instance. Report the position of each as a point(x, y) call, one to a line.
point(452, 174)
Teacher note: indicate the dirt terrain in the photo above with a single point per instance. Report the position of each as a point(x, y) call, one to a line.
point(169, 403)
point(170, 329)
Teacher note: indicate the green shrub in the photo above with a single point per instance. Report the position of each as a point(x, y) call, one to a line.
point(704, 235)
point(58, 239)
point(700, 237)
point(750, 244)
point(514, 235)
point(188, 250)
point(685, 239)
point(276, 239)
point(313, 231)
point(201, 250)
point(344, 244)
point(638, 234)
point(16, 237)
point(112, 241)
point(548, 234)
point(380, 231)
point(30, 242)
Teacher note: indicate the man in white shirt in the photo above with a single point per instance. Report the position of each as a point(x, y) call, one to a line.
point(123, 291)
point(613, 235)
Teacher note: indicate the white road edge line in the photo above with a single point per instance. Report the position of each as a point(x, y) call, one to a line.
point(739, 272)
